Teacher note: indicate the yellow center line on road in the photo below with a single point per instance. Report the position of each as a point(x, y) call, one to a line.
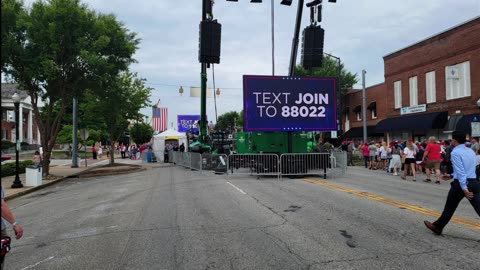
point(418, 209)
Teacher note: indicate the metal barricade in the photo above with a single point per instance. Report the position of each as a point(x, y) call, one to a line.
point(292, 164)
point(302, 164)
point(187, 160)
point(253, 164)
point(176, 158)
point(341, 162)
point(214, 162)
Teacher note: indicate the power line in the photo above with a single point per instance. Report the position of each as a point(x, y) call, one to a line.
point(178, 85)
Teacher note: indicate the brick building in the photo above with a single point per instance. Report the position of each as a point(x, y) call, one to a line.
point(28, 129)
point(431, 87)
point(376, 103)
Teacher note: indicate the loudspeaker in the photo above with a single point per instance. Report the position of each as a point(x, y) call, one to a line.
point(312, 46)
point(209, 42)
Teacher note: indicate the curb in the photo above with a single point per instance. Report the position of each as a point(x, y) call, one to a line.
point(113, 173)
point(25, 192)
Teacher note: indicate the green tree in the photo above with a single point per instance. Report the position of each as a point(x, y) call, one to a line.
point(12, 10)
point(239, 120)
point(65, 135)
point(119, 102)
point(332, 68)
point(61, 49)
point(141, 132)
point(228, 120)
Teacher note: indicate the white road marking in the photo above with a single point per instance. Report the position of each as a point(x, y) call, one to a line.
point(33, 265)
point(237, 188)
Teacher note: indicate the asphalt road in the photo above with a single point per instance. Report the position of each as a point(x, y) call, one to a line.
point(173, 218)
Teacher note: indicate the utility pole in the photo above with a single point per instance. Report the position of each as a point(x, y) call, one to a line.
point(273, 39)
point(293, 53)
point(203, 84)
point(74, 134)
point(364, 109)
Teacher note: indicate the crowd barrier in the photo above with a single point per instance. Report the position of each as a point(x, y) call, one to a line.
point(253, 164)
point(187, 159)
point(291, 164)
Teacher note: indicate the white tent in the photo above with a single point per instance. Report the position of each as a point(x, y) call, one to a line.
point(158, 144)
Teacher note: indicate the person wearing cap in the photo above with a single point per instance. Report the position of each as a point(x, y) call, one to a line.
point(465, 183)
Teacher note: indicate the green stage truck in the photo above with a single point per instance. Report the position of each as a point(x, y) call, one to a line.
point(272, 142)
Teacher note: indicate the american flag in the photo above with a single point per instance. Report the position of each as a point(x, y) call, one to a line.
point(159, 118)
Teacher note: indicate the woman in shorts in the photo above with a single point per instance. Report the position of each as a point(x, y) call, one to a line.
point(432, 158)
point(409, 155)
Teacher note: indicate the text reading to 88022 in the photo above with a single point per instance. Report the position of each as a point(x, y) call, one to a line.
point(271, 99)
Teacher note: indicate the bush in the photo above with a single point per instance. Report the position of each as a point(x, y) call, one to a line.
point(8, 169)
point(7, 144)
point(24, 143)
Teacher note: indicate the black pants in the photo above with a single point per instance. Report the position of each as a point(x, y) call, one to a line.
point(349, 159)
point(455, 195)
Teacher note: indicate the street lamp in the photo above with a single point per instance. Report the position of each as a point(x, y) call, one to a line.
point(16, 101)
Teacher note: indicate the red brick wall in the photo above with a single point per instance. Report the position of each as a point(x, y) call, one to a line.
point(8, 126)
point(375, 93)
point(452, 47)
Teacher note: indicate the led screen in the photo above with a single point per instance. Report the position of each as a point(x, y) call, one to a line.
point(187, 122)
point(276, 103)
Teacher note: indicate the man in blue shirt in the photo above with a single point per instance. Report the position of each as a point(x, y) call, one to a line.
point(465, 182)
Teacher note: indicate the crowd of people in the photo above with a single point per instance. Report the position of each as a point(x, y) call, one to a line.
point(430, 157)
point(133, 151)
point(172, 147)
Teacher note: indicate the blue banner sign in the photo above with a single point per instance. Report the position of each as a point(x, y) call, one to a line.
point(187, 122)
point(275, 103)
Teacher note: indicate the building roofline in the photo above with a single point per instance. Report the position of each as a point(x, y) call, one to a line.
point(353, 90)
point(433, 36)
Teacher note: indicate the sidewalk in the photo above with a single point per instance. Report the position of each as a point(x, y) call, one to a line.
point(61, 169)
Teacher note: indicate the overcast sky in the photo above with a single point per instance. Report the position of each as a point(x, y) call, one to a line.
point(360, 32)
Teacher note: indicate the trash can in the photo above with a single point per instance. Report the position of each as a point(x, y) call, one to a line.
point(34, 176)
point(149, 156)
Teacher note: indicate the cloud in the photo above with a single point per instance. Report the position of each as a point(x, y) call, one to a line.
point(358, 32)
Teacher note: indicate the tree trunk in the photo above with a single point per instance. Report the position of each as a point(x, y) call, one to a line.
point(112, 153)
point(46, 162)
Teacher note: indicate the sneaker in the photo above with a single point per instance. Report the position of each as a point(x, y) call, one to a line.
point(437, 182)
point(395, 173)
point(427, 180)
